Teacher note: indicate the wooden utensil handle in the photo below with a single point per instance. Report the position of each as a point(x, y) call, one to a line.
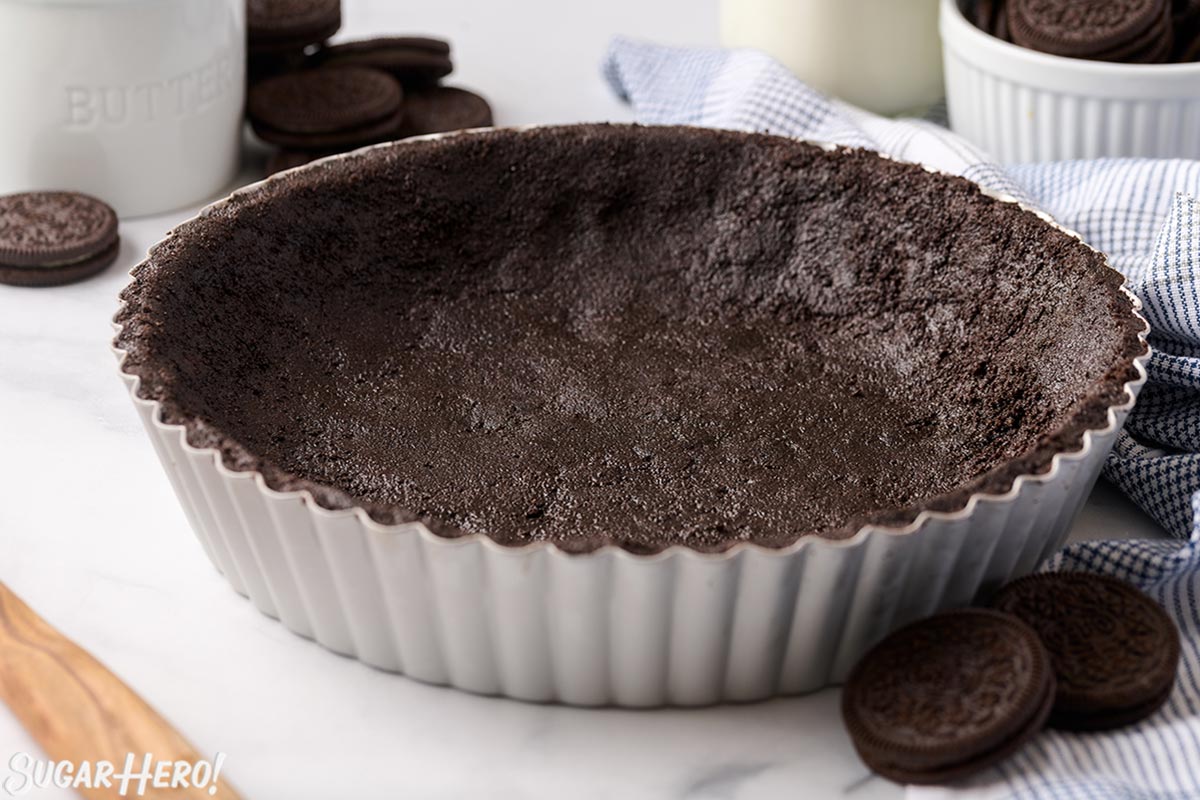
point(78, 711)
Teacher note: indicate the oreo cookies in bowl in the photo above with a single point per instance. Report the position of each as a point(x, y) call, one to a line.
point(1043, 80)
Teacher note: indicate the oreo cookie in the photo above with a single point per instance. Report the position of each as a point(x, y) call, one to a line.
point(1115, 651)
point(415, 61)
point(948, 696)
point(1122, 31)
point(281, 25)
point(323, 100)
point(382, 130)
point(1153, 46)
point(1082, 30)
point(326, 109)
point(1160, 53)
point(53, 238)
point(442, 109)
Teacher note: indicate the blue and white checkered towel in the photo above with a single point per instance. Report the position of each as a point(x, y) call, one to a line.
point(1145, 215)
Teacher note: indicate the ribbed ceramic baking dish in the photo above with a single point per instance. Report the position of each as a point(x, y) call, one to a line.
point(610, 627)
point(1021, 105)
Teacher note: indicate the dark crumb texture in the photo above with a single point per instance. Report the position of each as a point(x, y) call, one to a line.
point(645, 337)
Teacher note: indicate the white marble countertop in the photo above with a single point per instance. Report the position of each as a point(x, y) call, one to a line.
point(92, 538)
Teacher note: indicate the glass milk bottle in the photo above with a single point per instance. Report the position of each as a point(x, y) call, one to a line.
point(882, 55)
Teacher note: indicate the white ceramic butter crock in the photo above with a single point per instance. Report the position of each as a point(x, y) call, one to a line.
point(138, 102)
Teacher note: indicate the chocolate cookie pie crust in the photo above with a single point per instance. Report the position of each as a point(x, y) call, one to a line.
point(642, 337)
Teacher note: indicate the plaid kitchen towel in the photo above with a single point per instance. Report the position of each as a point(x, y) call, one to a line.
point(1145, 215)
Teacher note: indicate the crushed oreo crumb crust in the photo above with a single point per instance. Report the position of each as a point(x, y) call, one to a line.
point(646, 337)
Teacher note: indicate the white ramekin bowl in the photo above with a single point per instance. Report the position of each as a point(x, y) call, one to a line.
point(1020, 105)
point(610, 627)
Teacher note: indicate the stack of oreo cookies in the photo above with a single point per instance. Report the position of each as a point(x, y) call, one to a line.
point(311, 99)
point(1129, 31)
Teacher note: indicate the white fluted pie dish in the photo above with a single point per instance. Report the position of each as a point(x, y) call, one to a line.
point(606, 624)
